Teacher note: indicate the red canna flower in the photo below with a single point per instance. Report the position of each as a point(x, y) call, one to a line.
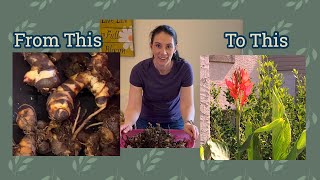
point(240, 86)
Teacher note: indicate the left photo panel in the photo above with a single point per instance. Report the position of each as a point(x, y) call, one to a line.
point(66, 104)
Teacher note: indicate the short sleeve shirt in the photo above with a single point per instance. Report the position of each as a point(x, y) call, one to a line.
point(161, 93)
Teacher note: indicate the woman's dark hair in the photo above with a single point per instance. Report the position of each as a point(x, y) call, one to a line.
point(169, 30)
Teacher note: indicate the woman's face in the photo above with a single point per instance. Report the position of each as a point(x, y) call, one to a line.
point(163, 48)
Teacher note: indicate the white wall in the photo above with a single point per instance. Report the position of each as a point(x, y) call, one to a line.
point(195, 38)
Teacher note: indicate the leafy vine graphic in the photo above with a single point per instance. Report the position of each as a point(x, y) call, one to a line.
point(83, 164)
point(309, 53)
point(89, 26)
point(281, 27)
point(149, 161)
point(41, 5)
point(169, 4)
point(116, 177)
point(19, 164)
point(314, 119)
point(10, 101)
point(52, 177)
point(209, 166)
point(25, 26)
point(309, 177)
point(232, 4)
point(244, 177)
point(274, 166)
point(180, 177)
point(296, 4)
point(104, 4)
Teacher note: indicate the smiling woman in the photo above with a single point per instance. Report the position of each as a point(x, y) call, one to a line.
point(161, 87)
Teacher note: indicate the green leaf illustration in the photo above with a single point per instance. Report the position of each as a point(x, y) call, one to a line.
point(307, 124)
point(27, 160)
point(29, 31)
point(284, 32)
point(150, 168)
point(226, 4)
point(298, 6)
point(81, 159)
point(138, 165)
point(92, 160)
point(283, 161)
point(24, 27)
point(145, 157)
point(302, 178)
point(301, 51)
point(214, 168)
point(307, 61)
point(162, 4)
point(98, 4)
point(273, 29)
point(95, 25)
point(24, 24)
point(74, 165)
point(110, 178)
point(16, 160)
point(106, 5)
point(238, 178)
point(178, 1)
point(280, 24)
point(266, 165)
point(171, 4)
point(88, 24)
point(155, 160)
point(314, 118)
point(290, 4)
point(10, 165)
point(46, 178)
point(287, 25)
point(10, 37)
point(86, 168)
point(202, 166)
point(160, 153)
point(314, 54)
point(174, 178)
point(31, 25)
point(10, 101)
point(149, 162)
point(43, 5)
point(34, 4)
point(234, 5)
point(152, 152)
point(22, 168)
point(278, 168)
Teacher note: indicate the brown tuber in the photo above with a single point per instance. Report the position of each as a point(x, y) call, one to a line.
point(26, 118)
point(43, 74)
point(26, 147)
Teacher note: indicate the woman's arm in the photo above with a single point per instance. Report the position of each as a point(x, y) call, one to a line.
point(133, 110)
point(187, 103)
point(187, 111)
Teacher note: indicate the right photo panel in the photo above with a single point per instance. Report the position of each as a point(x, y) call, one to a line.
point(253, 107)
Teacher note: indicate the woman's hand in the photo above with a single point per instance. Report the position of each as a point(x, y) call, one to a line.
point(191, 129)
point(126, 127)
